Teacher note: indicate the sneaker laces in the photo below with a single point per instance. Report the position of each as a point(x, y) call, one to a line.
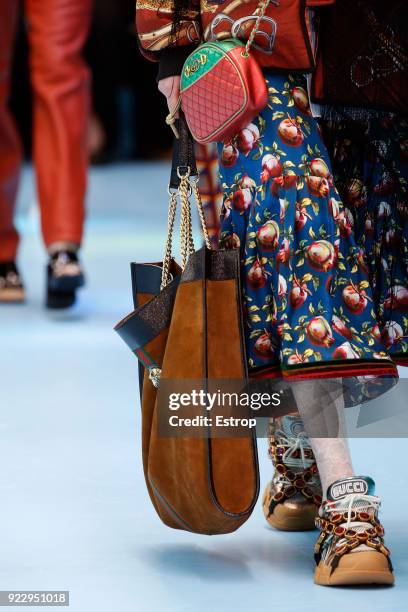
point(293, 444)
point(355, 502)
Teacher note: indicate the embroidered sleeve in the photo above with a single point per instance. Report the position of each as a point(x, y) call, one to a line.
point(154, 25)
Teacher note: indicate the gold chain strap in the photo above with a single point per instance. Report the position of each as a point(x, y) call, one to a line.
point(264, 5)
point(186, 188)
point(186, 230)
point(200, 209)
point(169, 239)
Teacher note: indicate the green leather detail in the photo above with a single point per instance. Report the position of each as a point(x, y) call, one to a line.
point(204, 58)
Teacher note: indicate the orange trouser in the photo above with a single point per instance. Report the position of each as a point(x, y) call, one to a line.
point(57, 30)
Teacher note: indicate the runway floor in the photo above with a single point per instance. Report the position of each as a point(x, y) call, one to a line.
point(74, 511)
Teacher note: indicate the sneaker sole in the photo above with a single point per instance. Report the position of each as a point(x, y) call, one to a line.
point(365, 567)
point(288, 519)
point(12, 295)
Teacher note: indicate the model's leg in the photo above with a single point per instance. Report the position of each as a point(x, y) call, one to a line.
point(10, 157)
point(321, 406)
point(60, 79)
point(348, 517)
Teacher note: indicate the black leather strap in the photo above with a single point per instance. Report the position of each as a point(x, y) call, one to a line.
point(183, 152)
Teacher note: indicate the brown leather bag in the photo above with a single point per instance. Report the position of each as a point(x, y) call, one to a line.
point(192, 329)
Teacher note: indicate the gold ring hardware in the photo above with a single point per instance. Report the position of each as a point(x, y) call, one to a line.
point(183, 176)
point(154, 375)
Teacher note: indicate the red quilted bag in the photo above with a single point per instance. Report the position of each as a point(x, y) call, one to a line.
point(222, 87)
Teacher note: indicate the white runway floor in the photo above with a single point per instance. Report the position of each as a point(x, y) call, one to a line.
point(74, 512)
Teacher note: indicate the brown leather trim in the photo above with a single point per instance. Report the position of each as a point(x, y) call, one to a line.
point(148, 321)
point(169, 509)
point(232, 258)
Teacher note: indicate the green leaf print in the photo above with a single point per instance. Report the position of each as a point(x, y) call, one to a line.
point(253, 308)
point(315, 207)
point(277, 115)
point(259, 153)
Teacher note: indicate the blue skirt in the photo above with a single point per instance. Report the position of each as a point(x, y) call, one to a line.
point(308, 304)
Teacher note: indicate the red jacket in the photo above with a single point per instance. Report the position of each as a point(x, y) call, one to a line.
point(283, 40)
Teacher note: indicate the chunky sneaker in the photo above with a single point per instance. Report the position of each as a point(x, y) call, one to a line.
point(11, 286)
point(350, 548)
point(64, 277)
point(292, 498)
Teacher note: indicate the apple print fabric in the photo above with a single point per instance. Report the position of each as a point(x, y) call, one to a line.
point(307, 301)
point(370, 165)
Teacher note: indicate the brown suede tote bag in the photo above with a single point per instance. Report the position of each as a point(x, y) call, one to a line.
point(192, 329)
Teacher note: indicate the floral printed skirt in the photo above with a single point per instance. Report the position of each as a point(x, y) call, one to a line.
point(308, 305)
point(370, 166)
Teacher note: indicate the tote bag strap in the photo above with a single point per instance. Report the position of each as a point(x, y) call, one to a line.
point(183, 184)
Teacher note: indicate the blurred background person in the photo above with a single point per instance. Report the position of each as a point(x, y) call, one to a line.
point(127, 120)
point(57, 32)
point(48, 50)
point(116, 131)
point(210, 187)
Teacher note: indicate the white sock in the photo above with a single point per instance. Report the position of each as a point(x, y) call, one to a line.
point(320, 404)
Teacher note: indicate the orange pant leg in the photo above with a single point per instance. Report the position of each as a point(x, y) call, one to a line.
point(10, 147)
point(57, 31)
